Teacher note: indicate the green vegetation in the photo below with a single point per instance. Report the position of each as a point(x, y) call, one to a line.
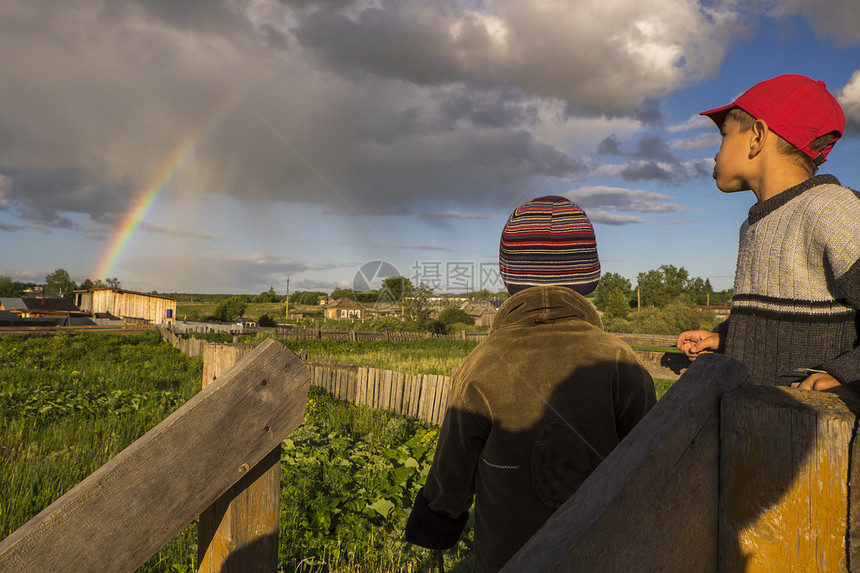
point(70, 402)
point(349, 477)
point(673, 319)
point(10, 288)
point(425, 356)
point(229, 309)
point(203, 310)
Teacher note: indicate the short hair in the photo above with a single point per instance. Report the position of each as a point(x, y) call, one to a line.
point(796, 156)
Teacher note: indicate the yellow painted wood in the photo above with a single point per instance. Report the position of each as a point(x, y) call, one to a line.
point(784, 487)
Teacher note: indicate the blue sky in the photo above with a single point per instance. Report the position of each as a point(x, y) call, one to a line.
point(397, 131)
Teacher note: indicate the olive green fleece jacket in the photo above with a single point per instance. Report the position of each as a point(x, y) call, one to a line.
point(534, 409)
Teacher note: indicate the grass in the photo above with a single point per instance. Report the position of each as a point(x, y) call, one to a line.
point(70, 402)
point(425, 356)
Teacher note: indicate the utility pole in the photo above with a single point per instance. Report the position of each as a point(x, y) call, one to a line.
point(287, 315)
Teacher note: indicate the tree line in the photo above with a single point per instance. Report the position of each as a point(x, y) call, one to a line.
point(58, 282)
point(656, 288)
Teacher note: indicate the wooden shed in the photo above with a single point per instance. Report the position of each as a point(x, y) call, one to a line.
point(132, 307)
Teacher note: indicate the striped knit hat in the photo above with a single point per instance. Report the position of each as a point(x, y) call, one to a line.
point(549, 241)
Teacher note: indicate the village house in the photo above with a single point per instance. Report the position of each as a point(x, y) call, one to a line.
point(56, 310)
point(344, 309)
point(483, 311)
point(132, 307)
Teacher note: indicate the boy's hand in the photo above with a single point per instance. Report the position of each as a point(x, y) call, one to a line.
point(824, 382)
point(695, 342)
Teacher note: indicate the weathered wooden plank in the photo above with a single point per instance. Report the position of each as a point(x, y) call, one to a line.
point(116, 518)
point(219, 358)
point(652, 504)
point(351, 384)
point(377, 388)
point(422, 396)
point(784, 480)
point(435, 401)
point(386, 390)
point(433, 398)
point(397, 393)
point(415, 395)
point(239, 532)
point(437, 406)
point(361, 376)
point(427, 394)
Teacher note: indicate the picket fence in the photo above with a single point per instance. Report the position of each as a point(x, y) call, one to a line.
point(423, 396)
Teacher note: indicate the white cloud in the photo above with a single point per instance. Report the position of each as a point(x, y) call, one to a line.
point(621, 199)
point(697, 142)
point(849, 99)
point(614, 219)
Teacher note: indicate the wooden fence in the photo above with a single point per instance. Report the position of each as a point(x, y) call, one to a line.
point(424, 396)
point(124, 512)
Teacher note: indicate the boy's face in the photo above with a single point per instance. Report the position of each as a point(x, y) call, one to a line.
point(732, 157)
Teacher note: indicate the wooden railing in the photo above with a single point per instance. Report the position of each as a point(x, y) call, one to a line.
point(124, 512)
point(721, 475)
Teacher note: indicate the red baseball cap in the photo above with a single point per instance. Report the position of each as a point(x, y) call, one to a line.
point(796, 108)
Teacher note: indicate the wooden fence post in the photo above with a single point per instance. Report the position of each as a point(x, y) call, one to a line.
point(784, 468)
point(239, 532)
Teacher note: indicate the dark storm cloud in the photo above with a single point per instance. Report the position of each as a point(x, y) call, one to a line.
point(649, 146)
point(610, 146)
point(380, 106)
point(646, 171)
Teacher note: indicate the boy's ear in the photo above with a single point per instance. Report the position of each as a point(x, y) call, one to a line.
point(758, 137)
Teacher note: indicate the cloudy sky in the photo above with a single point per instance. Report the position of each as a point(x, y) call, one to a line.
point(203, 146)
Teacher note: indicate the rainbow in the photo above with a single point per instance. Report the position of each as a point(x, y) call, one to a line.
point(159, 181)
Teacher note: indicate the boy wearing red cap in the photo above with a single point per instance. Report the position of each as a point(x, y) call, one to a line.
point(539, 403)
point(794, 317)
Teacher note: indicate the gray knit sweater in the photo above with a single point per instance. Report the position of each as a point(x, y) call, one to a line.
point(797, 285)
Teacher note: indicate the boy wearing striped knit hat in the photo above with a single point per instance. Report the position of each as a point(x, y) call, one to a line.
point(539, 403)
point(794, 316)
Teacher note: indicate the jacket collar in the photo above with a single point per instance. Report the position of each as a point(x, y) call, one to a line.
point(545, 304)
